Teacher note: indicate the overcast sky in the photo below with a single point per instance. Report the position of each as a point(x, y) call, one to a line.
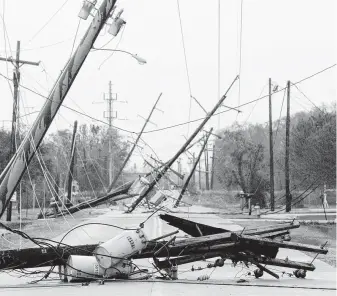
point(284, 40)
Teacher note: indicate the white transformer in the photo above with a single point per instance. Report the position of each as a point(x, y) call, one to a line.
point(112, 252)
point(81, 268)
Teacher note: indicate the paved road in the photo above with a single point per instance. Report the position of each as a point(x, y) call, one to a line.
point(222, 280)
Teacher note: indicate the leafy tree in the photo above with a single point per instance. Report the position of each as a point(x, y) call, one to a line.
point(313, 147)
point(243, 164)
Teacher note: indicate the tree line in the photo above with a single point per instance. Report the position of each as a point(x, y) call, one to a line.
point(48, 171)
point(242, 155)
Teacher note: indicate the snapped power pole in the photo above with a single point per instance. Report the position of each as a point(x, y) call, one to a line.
point(19, 162)
point(271, 153)
point(287, 173)
point(16, 82)
point(193, 170)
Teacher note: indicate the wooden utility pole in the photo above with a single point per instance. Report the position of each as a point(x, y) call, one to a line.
point(44, 196)
point(287, 175)
point(16, 82)
point(179, 171)
point(112, 184)
point(71, 166)
point(192, 171)
point(193, 176)
point(19, 162)
point(199, 176)
point(212, 168)
point(271, 153)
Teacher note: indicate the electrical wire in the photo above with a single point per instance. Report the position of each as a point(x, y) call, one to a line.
point(49, 20)
point(240, 53)
point(307, 97)
point(72, 48)
point(113, 52)
point(175, 125)
point(186, 67)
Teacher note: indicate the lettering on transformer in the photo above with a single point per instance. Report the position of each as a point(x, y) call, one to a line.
point(132, 243)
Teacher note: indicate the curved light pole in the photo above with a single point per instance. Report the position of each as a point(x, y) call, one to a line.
point(139, 59)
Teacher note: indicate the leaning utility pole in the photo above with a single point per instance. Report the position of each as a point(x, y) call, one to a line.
point(16, 82)
point(18, 164)
point(192, 171)
point(71, 166)
point(271, 153)
point(287, 176)
point(181, 150)
point(112, 184)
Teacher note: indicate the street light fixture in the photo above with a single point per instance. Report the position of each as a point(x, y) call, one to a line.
point(139, 59)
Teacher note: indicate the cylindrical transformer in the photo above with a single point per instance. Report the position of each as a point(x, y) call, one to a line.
point(121, 246)
point(81, 268)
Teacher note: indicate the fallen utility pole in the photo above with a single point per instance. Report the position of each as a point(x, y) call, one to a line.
point(34, 137)
point(192, 171)
point(287, 175)
point(181, 150)
point(16, 83)
point(118, 194)
point(133, 147)
point(265, 242)
point(249, 247)
point(71, 167)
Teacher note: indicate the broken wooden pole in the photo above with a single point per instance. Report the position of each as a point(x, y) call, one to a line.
point(115, 195)
point(272, 243)
point(271, 261)
point(132, 149)
point(181, 150)
point(192, 171)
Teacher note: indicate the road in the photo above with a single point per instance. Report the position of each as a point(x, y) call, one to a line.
point(222, 280)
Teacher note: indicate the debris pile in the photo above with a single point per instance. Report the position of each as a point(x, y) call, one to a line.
point(116, 257)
